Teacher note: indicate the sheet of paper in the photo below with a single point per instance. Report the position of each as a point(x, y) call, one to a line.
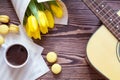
point(20, 7)
point(43, 0)
point(35, 68)
point(64, 19)
point(36, 65)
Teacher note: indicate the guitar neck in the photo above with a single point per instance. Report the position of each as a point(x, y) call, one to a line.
point(106, 14)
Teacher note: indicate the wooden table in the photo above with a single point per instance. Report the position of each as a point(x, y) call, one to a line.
point(70, 41)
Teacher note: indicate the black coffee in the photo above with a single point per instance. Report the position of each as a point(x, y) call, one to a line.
point(17, 54)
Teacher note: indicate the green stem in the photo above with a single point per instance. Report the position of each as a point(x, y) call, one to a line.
point(40, 6)
point(52, 2)
point(34, 10)
point(27, 14)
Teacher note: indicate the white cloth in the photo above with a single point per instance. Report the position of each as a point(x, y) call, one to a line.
point(35, 66)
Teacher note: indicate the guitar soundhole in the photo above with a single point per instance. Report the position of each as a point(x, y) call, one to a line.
point(118, 51)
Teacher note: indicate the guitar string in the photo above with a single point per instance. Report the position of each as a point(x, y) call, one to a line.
point(89, 4)
point(109, 18)
point(112, 21)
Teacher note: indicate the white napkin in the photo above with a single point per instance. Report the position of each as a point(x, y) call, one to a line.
point(20, 7)
point(35, 67)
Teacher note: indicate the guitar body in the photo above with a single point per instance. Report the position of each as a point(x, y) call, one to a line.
point(103, 53)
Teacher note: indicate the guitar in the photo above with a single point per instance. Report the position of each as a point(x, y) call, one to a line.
point(103, 48)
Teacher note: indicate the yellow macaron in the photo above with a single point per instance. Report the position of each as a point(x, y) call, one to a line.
point(56, 68)
point(1, 40)
point(51, 57)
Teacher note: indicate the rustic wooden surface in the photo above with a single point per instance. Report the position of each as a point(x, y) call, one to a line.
point(68, 41)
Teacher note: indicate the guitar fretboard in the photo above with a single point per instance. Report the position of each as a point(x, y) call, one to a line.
point(106, 14)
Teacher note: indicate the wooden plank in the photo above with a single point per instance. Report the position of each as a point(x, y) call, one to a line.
point(68, 41)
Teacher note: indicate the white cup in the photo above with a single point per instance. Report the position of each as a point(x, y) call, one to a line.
point(15, 65)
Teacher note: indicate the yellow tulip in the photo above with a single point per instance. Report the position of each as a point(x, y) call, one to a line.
point(33, 29)
point(43, 22)
point(57, 10)
point(32, 23)
point(36, 35)
point(28, 30)
point(50, 18)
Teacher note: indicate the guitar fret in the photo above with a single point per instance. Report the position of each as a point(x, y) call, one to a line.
point(113, 26)
point(117, 24)
point(110, 20)
point(116, 31)
point(99, 12)
point(90, 3)
point(117, 19)
point(105, 20)
point(97, 8)
point(102, 10)
point(106, 15)
point(102, 4)
point(98, 5)
point(118, 35)
point(113, 21)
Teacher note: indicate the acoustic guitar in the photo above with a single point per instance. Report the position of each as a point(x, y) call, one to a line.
point(103, 48)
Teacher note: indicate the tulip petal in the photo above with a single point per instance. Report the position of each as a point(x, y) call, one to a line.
point(50, 18)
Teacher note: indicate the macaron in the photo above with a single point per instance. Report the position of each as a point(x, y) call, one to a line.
point(1, 40)
point(51, 57)
point(56, 68)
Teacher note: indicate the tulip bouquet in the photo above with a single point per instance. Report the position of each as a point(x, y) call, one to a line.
point(39, 17)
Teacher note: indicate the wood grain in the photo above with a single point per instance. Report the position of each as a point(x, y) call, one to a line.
point(69, 41)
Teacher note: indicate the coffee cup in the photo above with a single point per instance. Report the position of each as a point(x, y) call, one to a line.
point(16, 55)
